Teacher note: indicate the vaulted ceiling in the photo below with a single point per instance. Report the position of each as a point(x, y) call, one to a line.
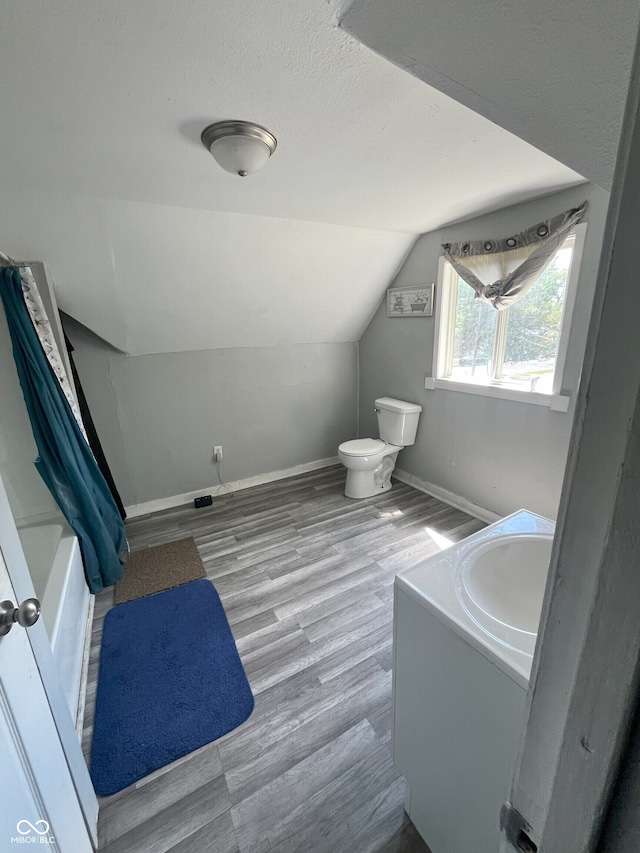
point(156, 248)
point(555, 74)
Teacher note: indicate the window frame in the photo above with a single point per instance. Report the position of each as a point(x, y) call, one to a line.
point(443, 340)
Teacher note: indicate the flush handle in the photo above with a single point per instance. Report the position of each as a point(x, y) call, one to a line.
point(26, 615)
point(376, 410)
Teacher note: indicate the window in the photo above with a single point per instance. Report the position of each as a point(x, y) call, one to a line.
point(517, 353)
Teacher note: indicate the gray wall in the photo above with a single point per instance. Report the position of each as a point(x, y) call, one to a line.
point(621, 832)
point(498, 454)
point(158, 416)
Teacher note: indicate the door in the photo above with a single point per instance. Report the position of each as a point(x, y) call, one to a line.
point(38, 800)
point(15, 566)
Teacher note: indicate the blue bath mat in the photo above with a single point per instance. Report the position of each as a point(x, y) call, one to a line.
point(170, 681)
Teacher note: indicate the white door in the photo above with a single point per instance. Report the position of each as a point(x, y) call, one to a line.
point(38, 800)
point(15, 565)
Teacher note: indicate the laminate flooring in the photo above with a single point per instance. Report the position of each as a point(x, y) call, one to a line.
point(306, 578)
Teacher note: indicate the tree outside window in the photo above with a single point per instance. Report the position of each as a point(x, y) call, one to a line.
point(517, 346)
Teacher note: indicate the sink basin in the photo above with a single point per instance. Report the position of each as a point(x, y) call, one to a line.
point(501, 584)
point(489, 589)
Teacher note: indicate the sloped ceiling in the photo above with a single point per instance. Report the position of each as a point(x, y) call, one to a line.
point(157, 249)
point(553, 73)
point(153, 278)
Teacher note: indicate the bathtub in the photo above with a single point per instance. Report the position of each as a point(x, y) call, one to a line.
point(465, 628)
point(53, 556)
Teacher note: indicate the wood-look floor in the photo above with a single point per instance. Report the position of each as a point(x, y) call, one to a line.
point(306, 578)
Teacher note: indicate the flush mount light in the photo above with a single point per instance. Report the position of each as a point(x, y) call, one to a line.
point(240, 147)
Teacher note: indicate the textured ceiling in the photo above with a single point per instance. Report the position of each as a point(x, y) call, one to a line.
point(103, 104)
point(555, 74)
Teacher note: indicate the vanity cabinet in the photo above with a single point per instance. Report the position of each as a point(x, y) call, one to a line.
point(457, 723)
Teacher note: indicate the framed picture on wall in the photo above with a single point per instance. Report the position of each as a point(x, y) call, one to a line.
point(414, 301)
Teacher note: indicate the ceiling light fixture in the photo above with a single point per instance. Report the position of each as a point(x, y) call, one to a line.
point(240, 147)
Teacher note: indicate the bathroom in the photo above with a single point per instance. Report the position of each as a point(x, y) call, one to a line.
point(277, 354)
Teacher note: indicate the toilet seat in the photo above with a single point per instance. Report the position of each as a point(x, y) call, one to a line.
point(363, 447)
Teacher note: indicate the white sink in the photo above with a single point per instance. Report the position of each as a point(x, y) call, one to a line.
point(489, 588)
point(501, 585)
point(465, 624)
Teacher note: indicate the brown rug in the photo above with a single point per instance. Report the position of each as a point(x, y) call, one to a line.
point(161, 567)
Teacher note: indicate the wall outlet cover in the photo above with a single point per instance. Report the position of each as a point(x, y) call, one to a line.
point(205, 500)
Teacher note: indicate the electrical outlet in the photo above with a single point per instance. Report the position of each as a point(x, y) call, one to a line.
point(217, 452)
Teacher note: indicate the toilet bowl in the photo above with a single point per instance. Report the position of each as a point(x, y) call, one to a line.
point(370, 461)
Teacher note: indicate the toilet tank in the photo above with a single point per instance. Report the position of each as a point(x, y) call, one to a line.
point(397, 420)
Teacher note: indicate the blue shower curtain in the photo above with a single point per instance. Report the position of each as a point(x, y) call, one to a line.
point(65, 463)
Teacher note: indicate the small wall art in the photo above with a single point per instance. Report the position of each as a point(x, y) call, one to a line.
point(414, 301)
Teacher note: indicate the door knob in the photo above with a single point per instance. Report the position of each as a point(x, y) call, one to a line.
point(26, 615)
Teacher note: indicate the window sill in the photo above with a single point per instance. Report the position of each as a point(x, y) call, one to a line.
point(555, 402)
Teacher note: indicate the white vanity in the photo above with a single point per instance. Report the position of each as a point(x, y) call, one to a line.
point(465, 626)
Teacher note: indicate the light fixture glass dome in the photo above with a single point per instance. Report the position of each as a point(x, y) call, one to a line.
point(241, 155)
point(239, 147)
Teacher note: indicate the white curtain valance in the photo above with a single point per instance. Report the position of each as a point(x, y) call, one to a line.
point(502, 271)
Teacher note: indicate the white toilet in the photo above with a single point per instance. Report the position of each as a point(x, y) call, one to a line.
point(370, 461)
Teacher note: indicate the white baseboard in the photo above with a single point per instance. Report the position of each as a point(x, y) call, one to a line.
point(137, 510)
point(448, 497)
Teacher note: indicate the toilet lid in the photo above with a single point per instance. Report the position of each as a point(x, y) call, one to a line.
point(362, 447)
